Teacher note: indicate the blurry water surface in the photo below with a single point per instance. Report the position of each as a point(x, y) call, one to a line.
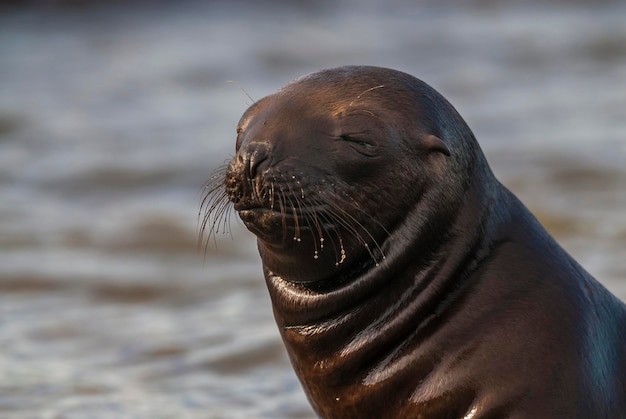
point(111, 119)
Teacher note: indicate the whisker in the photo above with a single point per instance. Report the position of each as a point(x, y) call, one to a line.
point(273, 193)
point(293, 200)
point(314, 216)
point(358, 208)
point(243, 90)
point(366, 91)
point(294, 211)
point(312, 220)
point(314, 211)
point(220, 223)
point(325, 219)
point(214, 214)
point(354, 227)
point(307, 217)
point(282, 203)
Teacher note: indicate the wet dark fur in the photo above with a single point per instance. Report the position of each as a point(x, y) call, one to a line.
point(406, 280)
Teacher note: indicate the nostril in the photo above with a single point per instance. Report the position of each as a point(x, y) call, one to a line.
point(255, 161)
point(253, 157)
point(244, 178)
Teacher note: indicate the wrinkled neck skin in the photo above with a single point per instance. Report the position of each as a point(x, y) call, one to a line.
point(363, 334)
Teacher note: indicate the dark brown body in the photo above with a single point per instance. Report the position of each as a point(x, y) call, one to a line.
point(521, 332)
point(437, 295)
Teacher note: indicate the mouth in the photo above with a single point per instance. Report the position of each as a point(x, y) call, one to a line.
point(280, 226)
point(258, 214)
point(267, 224)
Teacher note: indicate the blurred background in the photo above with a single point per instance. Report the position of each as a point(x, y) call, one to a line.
point(113, 116)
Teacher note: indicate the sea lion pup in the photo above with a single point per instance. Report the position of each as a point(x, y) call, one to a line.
point(406, 281)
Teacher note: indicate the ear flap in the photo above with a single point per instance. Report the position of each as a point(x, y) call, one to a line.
point(434, 143)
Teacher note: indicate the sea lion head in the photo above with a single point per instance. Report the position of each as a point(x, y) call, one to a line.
point(328, 167)
point(405, 280)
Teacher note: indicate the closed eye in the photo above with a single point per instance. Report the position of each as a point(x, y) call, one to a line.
point(355, 140)
point(361, 145)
